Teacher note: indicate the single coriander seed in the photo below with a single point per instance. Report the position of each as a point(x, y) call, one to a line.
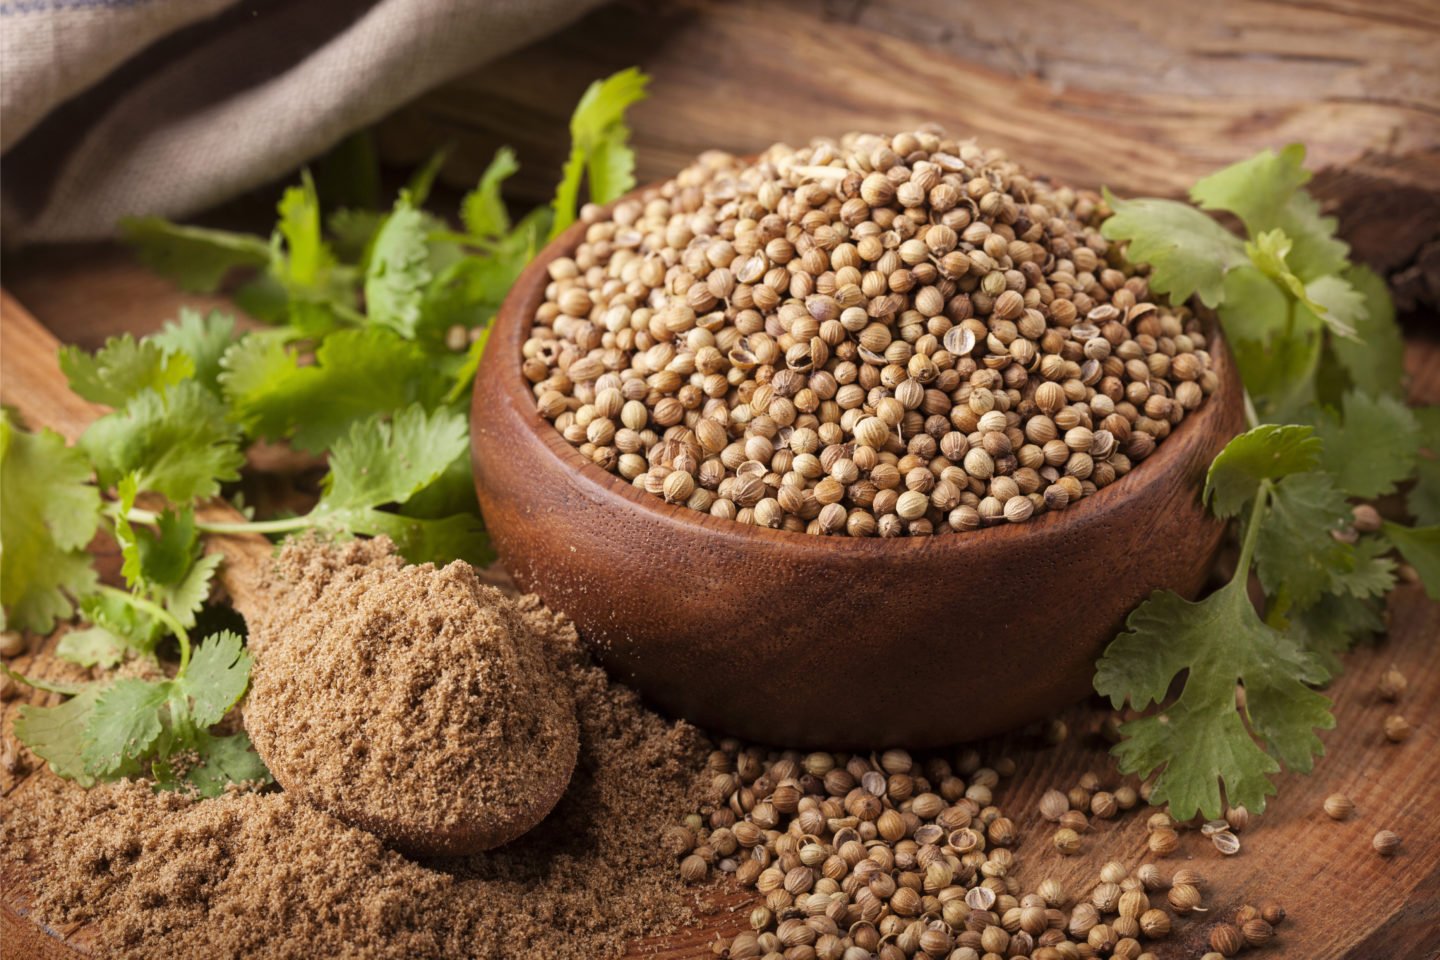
point(1397, 728)
point(1338, 806)
point(1386, 843)
point(1392, 685)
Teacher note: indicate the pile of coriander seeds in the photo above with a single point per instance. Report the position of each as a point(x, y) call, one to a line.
point(887, 336)
point(856, 857)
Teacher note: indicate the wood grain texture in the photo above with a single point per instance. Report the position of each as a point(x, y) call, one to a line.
point(1344, 902)
point(796, 623)
point(1144, 97)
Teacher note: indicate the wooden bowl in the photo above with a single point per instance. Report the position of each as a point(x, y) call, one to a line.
point(836, 642)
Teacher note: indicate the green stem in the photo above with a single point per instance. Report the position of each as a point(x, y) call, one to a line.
point(1252, 529)
point(286, 525)
point(1252, 419)
point(161, 614)
point(64, 689)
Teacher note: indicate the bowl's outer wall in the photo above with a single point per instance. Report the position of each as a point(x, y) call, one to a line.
point(831, 642)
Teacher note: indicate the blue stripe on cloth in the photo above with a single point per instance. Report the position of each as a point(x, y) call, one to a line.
point(19, 7)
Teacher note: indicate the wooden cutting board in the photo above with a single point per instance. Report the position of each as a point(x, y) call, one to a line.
point(1343, 900)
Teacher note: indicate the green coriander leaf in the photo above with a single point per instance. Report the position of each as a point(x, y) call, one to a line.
point(1373, 447)
point(1334, 625)
point(1268, 452)
point(380, 462)
point(196, 258)
point(1420, 546)
point(48, 514)
point(1423, 500)
point(216, 678)
point(356, 374)
point(1280, 377)
point(203, 338)
point(307, 259)
point(1200, 741)
point(1295, 555)
point(124, 724)
point(352, 232)
point(1256, 189)
point(91, 647)
point(185, 597)
point(439, 541)
point(1188, 252)
point(219, 762)
point(1343, 308)
point(424, 178)
point(1372, 573)
point(452, 492)
point(180, 444)
point(1374, 360)
point(125, 536)
point(1317, 252)
point(57, 734)
point(399, 270)
point(483, 209)
point(115, 613)
point(1254, 307)
point(1268, 252)
point(599, 145)
point(123, 368)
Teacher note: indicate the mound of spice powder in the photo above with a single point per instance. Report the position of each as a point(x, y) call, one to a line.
point(412, 701)
point(875, 336)
point(264, 874)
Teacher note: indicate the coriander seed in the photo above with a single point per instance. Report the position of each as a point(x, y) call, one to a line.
point(1338, 806)
point(1163, 842)
point(1386, 843)
point(1257, 932)
point(1226, 939)
point(1067, 841)
point(1397, 728)
point(1392, 685)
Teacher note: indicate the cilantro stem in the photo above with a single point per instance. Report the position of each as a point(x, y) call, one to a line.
point(161, 614)
point(64, 689)
point(285, 525)
point(1252, 419)
point(1252, 529)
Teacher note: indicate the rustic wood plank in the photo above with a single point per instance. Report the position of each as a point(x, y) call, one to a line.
point(1344, 901)
point(1143, 97)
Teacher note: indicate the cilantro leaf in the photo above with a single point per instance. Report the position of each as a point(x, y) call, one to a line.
point(1254, 307)
point(218, 762)
point(1188, 252)
point(1372, 574)
point(203, 338)
point(1374, 359)
point(1420, 546)
point(1268, 452)
point(1295, 555)
point(356, 374)
point(1264, 191)
point(186, 596)
point(48, 514)
point(399, 269)
point(216, 678)
point(167, 552)
point(307, 259)
point(114, 612)
point(599, 145)
point(1330, 300)
point(420, 540)
point(1372, 447)
point(124, 724)
point(423, 179)
point(122, 368)
point(1280, 377)
point(57, 734)
point(1342, 307)
point(91, 647)
point(1334, 625)
point(1424, 498)
point(483, 210)
point(352, 231)
point(180, 444)
point(1200, 741)
point(196, 258)
point(379, 462)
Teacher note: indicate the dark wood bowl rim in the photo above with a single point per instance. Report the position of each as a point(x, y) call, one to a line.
point(516, 317)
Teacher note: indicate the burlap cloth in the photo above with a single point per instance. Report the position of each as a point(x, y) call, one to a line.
point(116, 107)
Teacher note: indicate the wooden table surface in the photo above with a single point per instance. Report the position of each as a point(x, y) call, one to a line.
point(1344, 901)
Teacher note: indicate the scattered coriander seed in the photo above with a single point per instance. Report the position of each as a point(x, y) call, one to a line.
point(1189, 875)
point(1155, 923)
point(1397, 728)
point(1053, 805)
point(1246, 913)
point(12, 643)
point(1386, 843)
point(1075, 820)
point(9, 688)
point(1338, 806)
point(1052, 891)
point(1150, 877)
point(1238, 817)
point(1113, 872)
point(1126, 797)
point(1160, 821)
point(1184, 898)
point(1211, 827)
point(1226, 842)
point(1392, 685)
point(1089, 781)
point(1163, 841)
point(693, 869)
point(1272, 912)
point(1103, 805)
point(1366, 518)
point(1257, 932)
point(1226, 939)
point(1067, 841)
